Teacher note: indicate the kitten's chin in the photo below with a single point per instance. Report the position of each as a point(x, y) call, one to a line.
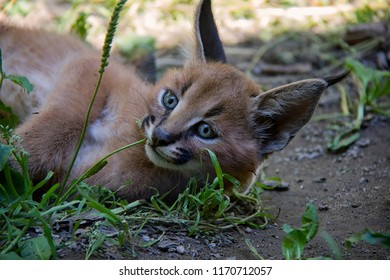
point(164, 161)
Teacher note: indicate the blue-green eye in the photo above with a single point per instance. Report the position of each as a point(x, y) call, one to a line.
point(205, 131)
point(169, 99)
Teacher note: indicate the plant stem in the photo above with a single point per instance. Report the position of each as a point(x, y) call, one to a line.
point(104, 63)
point(17, 238)
point(69, 190)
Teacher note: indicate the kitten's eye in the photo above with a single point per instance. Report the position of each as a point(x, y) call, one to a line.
point(169, 100)
point(206, 131)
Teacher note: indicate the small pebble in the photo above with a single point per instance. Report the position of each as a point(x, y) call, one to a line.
point(323, 207)
point(180, 249)
point(165, 244)
point(320, 180)
point(364, 142)
point(363, 180)
point(146, 238)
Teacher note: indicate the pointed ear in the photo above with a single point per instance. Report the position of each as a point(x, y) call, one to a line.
point(281, 112)
point(208, 44)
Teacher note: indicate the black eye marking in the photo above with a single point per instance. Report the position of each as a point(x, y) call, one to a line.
point(217, 110)
point(186, 87)
point(169, 99)
point(182, 155)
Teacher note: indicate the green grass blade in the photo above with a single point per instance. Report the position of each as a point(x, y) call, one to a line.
point(217, 168)
point(103, 211)
point(95, 245)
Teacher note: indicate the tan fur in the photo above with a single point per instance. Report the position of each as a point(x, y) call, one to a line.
point(248, 124)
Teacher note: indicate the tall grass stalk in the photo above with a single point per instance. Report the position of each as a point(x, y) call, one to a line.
point(104, 63)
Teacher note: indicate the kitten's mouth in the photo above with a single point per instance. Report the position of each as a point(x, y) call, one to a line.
point(161, 155)
point(176, 158)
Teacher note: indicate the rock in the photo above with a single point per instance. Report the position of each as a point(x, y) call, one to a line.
point(146, 238)
point(323, 207)
point(276, 185)
point(309, 153)
point(166, 244)
point(363, 180)
point(320, 180)
point(364, 142)
point(180, 249)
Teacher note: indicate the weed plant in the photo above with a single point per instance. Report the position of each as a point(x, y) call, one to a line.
point(372, 85)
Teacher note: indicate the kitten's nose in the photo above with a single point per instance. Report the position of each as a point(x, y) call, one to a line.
point(161, 137)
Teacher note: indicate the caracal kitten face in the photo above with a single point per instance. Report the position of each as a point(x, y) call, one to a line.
point(207, 104)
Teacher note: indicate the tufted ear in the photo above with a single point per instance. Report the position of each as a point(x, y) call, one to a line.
point(208, 44)
point(280, 113)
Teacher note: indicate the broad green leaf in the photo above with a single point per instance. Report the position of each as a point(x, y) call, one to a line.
point(81, 26)
point(287, 228)
point(377, 238)
point(10, 256)
point(370, 237)
point(293, 245)
point(375, 83)
point(8, 118)
point(5, 153)
point(310, 222)
point(21, 81)
point(297, 238)
point(37, 248)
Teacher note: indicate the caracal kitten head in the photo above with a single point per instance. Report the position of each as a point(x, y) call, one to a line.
point(208, 104)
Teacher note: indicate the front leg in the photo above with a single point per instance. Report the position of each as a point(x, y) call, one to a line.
point(50, 137)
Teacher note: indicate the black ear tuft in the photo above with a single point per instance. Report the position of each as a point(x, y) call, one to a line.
point(207, 33)
point(335, 79)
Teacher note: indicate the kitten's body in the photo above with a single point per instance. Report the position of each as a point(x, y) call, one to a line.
point(206, 105)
